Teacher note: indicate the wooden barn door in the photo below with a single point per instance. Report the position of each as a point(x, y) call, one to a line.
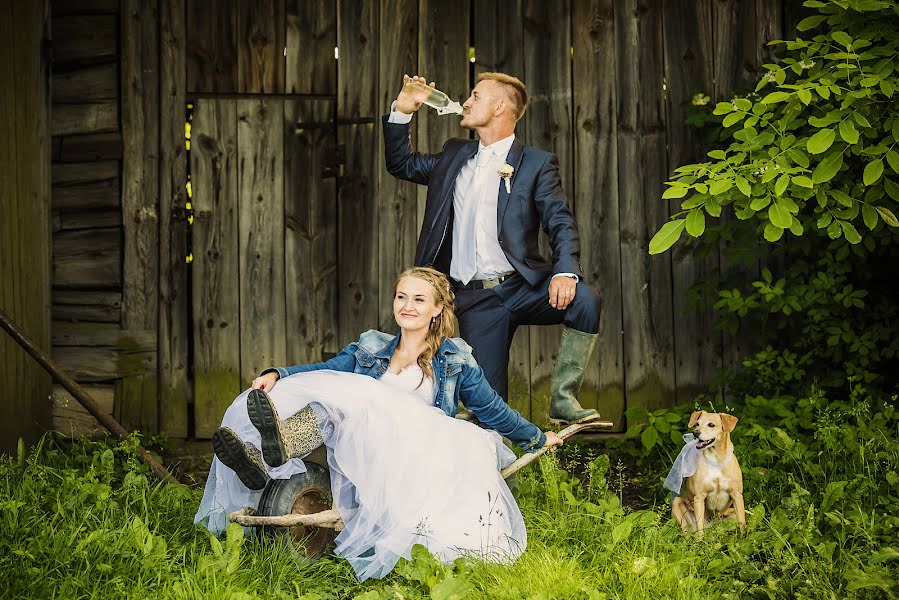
point(264, 242)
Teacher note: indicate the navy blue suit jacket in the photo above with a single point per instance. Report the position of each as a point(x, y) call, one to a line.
point(537, 201)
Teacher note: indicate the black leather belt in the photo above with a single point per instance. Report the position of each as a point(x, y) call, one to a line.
point(481, 284)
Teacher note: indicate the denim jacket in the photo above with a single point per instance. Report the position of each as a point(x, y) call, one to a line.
point(457, 377)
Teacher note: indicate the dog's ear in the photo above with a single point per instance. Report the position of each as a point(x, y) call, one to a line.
point(694, 418)
point(728, 422)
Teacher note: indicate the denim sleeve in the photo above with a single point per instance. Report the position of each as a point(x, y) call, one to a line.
point(344, 361)
point(481, 399)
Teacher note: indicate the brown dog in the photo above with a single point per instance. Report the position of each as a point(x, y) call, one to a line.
point(717, 484)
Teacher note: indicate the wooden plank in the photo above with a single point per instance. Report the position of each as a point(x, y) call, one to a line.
point(547, 124)
point(357, 36)
point(87, 306)
point(71, 419)
point(212, 46)
point(104, 363)
point(82, 148)
point(397, 200)
point(595, 191)
point(175, 389)
point(443, 41)
point(260, 49)
point(498, 43)
point(311, 37)
point(88, 258)
point(140, 170)
point(84, 40)
point(260, 156)
point(689, 67)
point(645, 280)
point(82, 7)
point(96, 117)
point(310, 215)
point(103, 334)
point(90, 84)
point(67, 174)
point(84, 219)
point(215, 267)
point(102, 194)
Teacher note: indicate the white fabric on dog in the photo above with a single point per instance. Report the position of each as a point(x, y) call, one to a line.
point(684, 465)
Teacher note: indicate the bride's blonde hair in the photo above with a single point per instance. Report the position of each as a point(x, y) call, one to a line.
point(443, 325)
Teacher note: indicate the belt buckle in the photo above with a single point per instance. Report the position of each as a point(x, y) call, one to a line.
point(492, 283)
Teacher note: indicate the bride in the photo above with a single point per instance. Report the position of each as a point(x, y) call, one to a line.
point(402, 473)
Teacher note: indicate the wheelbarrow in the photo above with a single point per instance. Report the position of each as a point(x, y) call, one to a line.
point(301, 507)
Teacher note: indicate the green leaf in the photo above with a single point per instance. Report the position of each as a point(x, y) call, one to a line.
point(892, 188)
point(744, 187)
point(760, 202)
point(811, 22)
point(649, 438)
point(775, 97)
point(821, 141)
point(666, 236)
point(887, 215)
point(696, 222)
point(828, 167)
point(674, 192)
point(781, 186)
point(833, 230)
point(824, 220)
point(895, 129)
point(732, 119)
point(873, 171)
point(796, 228)
point(772, 233)
point(841, 37)
point(893, 159)
point(848, 131)
point(861, 120)
point(799, 157)
point(779, 216)
point(849, 232)
point(802, 180)
point(719, 186)
point(804, 96)
point(884, 555)
point(713, 207)
point(869, 215)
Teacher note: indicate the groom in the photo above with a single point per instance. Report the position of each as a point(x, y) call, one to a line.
point(486, 202)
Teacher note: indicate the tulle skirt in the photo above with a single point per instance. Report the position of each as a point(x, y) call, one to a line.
point(402, 473)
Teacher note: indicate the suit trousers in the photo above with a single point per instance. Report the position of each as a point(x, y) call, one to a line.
point(488, 319)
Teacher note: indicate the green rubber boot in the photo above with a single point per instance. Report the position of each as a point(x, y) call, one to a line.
point(575, 350)
point(240, 457)
point(293, 437)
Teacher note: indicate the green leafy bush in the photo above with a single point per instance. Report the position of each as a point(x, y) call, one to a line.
point(818, 150)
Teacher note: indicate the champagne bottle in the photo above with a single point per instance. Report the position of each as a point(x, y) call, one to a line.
point(437, 99)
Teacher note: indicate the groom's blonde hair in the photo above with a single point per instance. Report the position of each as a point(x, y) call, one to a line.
point(514, 88)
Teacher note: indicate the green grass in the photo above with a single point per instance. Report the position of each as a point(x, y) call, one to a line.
point(88, 522)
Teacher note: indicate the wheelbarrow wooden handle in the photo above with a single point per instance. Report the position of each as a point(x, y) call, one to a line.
point(564, 434)
point(326, 518)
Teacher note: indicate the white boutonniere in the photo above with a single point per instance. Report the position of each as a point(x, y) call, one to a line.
point(505, 172)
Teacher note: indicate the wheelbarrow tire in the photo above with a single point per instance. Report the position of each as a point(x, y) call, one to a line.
point(304, 493)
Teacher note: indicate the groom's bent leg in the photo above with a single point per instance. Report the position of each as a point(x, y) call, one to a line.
point(487, 327)
point(583, 313)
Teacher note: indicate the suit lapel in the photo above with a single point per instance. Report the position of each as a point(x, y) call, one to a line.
point(502, 200)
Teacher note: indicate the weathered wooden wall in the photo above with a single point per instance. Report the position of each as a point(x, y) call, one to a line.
point(24, 215)
point(298, 230)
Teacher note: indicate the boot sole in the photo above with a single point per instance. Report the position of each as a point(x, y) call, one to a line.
point(264, 418)
point(230, 450)
point(587, 419)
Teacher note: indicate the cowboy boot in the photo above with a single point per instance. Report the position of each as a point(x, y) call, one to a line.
point(574, 352)
point(296, 436)
point(241, 457)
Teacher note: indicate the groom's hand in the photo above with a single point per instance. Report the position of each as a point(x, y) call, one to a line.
point(411, 98)
point(561, 291)
point(266, 382)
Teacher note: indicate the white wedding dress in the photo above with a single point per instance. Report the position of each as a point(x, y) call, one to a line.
point(402, 472)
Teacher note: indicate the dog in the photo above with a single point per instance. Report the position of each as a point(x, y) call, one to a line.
point(716, 488)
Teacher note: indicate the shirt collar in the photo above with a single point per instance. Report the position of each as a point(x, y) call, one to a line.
point(499, 148)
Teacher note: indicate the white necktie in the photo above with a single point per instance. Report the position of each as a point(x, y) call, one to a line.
point(466, 253)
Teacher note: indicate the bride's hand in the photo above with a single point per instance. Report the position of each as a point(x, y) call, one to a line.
point(552, 439)
point(266, 382)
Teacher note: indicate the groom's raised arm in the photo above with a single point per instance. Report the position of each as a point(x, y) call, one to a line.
point(401, 159)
